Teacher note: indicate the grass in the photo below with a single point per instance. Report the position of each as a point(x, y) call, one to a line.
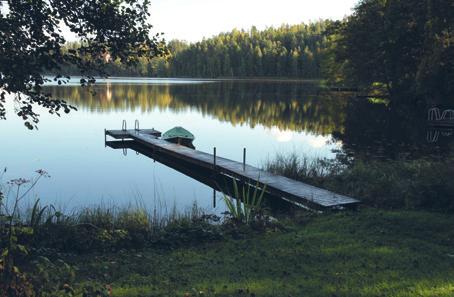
point(33, 240)
point(103, 227)
point(392, 184)
point(370, 252)
point(366, 253)
point(136, 252)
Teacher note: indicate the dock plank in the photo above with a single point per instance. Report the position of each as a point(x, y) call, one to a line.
point(120, 134)
point(278, 185)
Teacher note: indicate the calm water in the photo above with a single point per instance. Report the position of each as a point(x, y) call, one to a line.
point(265, 117)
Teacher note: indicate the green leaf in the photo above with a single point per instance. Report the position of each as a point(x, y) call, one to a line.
point(22, 249)
point(5, 252)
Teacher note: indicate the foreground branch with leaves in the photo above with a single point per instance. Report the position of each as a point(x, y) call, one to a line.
point(31, 43)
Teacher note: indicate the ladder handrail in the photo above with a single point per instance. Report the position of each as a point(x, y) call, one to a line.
point(433, 114)
point(446, 113)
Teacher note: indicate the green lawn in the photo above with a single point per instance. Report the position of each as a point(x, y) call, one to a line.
point(365, 253)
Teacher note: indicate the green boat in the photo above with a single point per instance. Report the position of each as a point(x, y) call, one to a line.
point(180, 136)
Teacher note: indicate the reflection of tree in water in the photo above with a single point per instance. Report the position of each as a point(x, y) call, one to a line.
point(389, 132)
point(364, 128)
point(295, 107)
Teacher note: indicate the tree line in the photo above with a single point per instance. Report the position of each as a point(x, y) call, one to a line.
point(404, 48)
point(287, 51)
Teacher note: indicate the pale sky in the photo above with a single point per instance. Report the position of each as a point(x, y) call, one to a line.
point(192, 20)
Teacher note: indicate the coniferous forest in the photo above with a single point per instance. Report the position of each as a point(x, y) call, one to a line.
point(404, 47)
point(288, 51)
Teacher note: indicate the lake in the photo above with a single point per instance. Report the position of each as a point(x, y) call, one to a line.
point(265, 117)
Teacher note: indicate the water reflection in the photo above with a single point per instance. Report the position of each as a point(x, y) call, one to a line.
point(365, 129)
point(266, 118)
point(288, 107)
point(390, 132)
point(281, 135)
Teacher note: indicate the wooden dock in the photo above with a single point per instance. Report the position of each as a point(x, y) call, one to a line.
point(288, 189)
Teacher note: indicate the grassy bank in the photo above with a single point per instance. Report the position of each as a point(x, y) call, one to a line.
point(131, 251)
point(366, 253)
point(106, 228)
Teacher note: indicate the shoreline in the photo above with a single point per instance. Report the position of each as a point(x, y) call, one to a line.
point(199, 79)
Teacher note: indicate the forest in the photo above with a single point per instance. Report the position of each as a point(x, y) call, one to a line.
point(407, 47)
point(288, 51)
point(404, 47)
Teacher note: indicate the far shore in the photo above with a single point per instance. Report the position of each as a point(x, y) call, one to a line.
point(198, 79)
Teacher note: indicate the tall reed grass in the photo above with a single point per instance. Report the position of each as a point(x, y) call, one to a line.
point(301, 167)
point(411, 184)
point(103, 226)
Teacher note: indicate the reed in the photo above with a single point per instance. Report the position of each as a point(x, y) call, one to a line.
point(107, 227)
point(243, 205)
point(410, 184)
point(301, 167)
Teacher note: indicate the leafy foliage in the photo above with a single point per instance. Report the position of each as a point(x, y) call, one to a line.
point(48, 278)
point(408, 46)
point(31, 43)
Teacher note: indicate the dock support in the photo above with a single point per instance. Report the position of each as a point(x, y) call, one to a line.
point(244, 159)
point(214, 168)
point(214, 158)
point(105, 138)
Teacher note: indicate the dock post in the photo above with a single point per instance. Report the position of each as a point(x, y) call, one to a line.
point(214, 198)
point(244, 159)
point(214, 158)
point(105, 138)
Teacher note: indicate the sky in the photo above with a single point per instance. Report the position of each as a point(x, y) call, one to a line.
point(192, 20)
